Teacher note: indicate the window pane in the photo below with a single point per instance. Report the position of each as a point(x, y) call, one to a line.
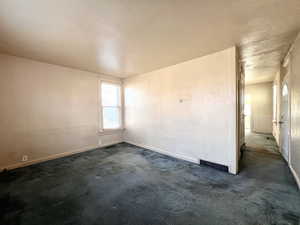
point(110, 94)
point(111, 117)
point(285, 90)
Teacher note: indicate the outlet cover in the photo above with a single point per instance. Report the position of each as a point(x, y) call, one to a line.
point(24, 158)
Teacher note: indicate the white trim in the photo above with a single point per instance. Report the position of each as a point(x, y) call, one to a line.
point(123, 104)
point(99, 108)
point(56, 156)
point(164, 152)
point(109, 80)
point(286, 80)
point(110, 131)
point(297, 178)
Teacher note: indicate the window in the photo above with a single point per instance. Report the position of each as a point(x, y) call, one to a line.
point(111, 105)
point(285, 90)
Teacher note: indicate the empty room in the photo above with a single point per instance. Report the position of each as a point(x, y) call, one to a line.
point(170, 112)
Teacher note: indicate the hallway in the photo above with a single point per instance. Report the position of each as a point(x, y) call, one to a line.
point(261, 142)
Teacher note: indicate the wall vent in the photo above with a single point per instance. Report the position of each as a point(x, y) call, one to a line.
point(214, 165)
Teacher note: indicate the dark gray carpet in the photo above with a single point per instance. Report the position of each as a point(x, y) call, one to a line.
point(259, 141)
point(127, 185)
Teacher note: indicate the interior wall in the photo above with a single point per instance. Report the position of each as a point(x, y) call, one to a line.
point(47, 111)
point(295, 110)
point(261, 96)
point(187, 110)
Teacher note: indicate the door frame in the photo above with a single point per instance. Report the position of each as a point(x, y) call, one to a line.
point(286, 80)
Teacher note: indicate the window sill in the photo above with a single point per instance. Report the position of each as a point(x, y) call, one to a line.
point(110, 131)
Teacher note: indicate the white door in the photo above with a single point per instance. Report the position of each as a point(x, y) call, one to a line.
point(284, 121)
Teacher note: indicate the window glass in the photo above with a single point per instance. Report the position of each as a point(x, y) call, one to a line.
point(110, 94)
point(285, 90)
point(111, 117)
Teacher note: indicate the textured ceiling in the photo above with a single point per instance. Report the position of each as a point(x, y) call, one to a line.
point(261, 59)
point(128, 37)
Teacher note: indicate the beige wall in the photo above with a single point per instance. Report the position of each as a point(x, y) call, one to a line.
point(295, 110)
point(261, 96)
point(47, 111)
point(187, 110)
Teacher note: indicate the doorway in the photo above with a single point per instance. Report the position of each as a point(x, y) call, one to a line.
point(258, 110)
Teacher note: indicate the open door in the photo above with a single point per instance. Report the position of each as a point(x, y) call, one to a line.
point(285, 120)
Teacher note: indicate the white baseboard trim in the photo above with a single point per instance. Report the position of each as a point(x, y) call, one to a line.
point(55, 156)
point(164, 152)
point(295, 176)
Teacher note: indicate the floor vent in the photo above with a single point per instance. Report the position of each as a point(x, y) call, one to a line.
point(214, 165)
point(110, 146)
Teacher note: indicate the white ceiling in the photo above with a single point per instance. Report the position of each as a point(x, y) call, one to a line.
point(261, 59)
point(128, 37)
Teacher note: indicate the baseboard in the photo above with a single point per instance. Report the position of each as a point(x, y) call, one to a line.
point(265, 133)
point(56, 156)
point(175, 155)
point(295, 176)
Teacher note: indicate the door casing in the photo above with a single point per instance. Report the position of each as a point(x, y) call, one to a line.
point(288, 128)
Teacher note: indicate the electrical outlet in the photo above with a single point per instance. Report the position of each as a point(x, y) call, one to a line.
point(24, 158)
point(99, 142)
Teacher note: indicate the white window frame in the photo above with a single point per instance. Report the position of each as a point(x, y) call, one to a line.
point(100, 106)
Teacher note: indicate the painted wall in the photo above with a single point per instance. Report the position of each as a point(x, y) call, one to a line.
point(47, 111)
point(187, 110)
point(261, 97)
point(295, 110)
